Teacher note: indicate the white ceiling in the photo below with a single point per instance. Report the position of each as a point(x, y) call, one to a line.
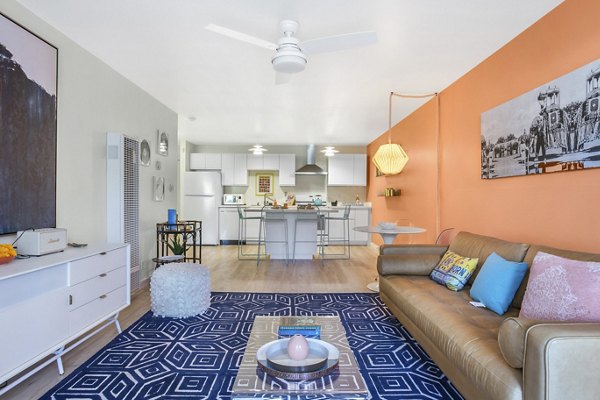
point(341, 98)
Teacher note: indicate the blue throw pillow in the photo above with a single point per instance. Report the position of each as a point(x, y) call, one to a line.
point(497, 282)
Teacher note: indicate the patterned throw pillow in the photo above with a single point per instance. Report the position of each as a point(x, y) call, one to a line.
point(560, 289)
point(454, 270)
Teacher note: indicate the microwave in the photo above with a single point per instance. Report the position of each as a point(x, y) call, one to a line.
point(234, 199)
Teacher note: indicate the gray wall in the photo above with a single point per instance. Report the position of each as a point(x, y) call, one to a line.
point(94, 99)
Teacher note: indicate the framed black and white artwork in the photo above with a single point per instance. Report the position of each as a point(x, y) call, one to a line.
point(28, 101)
point(552, 128)
point(158, 185)
point(163, 143)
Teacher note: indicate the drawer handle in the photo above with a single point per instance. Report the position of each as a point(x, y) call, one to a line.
point(70, 299)
point(103, 296)
point(102, 275)
point(103, 253)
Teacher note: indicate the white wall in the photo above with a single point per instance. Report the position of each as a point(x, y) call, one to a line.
point(94, 99)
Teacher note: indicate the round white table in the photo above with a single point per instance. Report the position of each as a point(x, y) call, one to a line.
point(388, 236)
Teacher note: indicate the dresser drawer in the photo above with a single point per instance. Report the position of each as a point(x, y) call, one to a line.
point(89, 267)
point(94, 312)
point(93, 288)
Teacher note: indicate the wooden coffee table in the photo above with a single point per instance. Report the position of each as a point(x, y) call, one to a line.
point(344, 383)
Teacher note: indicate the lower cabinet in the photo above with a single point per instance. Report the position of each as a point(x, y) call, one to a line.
point(358, 217)
point(47, 302)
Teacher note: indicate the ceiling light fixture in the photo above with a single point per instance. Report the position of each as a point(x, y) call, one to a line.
point(329, 151)
point(257, 150)
point(391, 158)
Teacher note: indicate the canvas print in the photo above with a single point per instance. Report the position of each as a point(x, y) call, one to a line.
point(28, 88)
point(553, 128)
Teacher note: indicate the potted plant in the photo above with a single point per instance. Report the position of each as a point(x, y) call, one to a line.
point(176, 246)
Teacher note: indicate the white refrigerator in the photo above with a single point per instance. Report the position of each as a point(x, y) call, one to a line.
point(202, 194)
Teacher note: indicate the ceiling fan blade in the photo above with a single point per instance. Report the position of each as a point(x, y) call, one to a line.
point(338, 42)
point(241, 36)
point(281, 78)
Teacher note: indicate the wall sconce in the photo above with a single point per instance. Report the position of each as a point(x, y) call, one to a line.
point(391, 158)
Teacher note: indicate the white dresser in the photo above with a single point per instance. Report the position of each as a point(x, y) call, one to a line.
point(49, 301)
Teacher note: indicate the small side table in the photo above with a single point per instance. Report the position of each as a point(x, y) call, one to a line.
point(190, 233)
point(388, 236)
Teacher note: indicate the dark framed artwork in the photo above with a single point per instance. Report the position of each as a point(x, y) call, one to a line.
point(553, 128)
point(145, 153)
point(162, 143)
point(28, 123)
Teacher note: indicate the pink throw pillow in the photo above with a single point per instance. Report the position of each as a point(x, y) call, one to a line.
point(560, 289)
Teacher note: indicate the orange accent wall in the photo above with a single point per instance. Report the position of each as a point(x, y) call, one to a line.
point(558, 209)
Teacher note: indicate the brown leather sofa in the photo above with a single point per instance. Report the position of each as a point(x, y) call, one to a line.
point(487, 356)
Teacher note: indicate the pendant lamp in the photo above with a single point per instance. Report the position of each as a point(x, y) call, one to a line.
point(391, 158)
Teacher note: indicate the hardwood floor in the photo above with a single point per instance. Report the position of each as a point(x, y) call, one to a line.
point(227, 274)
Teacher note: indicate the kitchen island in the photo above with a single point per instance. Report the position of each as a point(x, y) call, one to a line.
point(301, 231)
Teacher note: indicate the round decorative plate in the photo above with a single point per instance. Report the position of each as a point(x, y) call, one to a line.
point(322, 358)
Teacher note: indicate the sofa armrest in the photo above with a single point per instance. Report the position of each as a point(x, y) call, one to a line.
point(407, 264)
point(412, 249)
point(561, 361)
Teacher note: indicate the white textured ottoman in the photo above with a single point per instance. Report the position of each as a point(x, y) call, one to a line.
point(180, 290)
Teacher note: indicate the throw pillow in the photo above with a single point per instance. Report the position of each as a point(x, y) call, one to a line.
point(497, 282)
point(560, 289)
point(454, 270)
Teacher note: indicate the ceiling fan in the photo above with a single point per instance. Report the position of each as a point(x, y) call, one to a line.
point(290, 53)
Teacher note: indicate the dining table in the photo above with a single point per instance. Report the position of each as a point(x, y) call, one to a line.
point(388, 234)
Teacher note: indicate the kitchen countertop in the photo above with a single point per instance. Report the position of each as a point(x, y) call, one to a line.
point(254, 206)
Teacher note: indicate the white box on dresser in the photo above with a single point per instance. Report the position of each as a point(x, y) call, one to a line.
point(47, 302)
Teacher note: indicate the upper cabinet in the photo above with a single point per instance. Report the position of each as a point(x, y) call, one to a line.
point(287, 170)
point(205, 161)
point(347, 170)
point(234, 171)
point(234, 167)
point(264, 162)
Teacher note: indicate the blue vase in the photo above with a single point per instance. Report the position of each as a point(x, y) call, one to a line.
point(172, 217)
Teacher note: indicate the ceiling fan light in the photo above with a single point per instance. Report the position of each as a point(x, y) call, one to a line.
point(329, 151)
point(390, 159)
point(257, 150)
point(289, 60)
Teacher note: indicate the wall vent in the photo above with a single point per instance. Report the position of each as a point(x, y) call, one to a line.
point(123, 198)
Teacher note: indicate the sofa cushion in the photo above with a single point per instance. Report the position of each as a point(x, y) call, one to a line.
point(561, 289)
point(465, 334)
point(497, 282)
point(454, 270)
point(532, 252)
point(479, 246)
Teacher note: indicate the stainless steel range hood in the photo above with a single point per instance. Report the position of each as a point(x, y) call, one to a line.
point(310, 168)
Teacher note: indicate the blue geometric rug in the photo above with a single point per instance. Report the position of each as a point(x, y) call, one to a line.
point(198, 357)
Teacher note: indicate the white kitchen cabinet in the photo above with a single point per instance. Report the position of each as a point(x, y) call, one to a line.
point(240, 171)
point(227, 169)
point(263, 162)
point(287, 170)
point(347, 170)
point(359, 216)
point(200, 161)
point(360, 170)
point(228, 224)
point(47, 302)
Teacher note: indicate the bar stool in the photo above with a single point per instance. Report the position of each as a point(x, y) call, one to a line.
point(242, 233)
point(272, 219)
point(307, 217)
point(345, 239)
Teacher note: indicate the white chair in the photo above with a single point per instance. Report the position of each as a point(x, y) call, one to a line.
point(180, 290)
point(243, 239)
point(344, 239)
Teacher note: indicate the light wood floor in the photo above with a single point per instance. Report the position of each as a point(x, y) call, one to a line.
point(227, 274)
